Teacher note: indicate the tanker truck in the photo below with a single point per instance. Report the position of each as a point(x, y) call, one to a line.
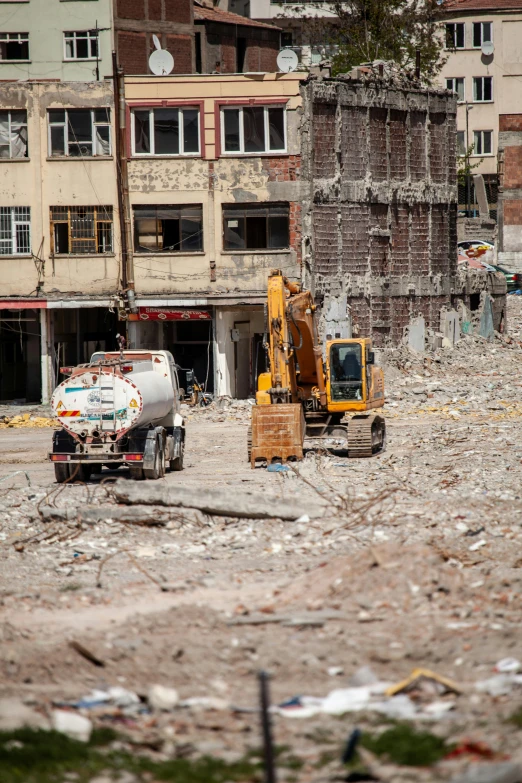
point(122, 408)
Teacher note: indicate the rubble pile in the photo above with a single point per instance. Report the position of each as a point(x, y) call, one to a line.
point(343, 578)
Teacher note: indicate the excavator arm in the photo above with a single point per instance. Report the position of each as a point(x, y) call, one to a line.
point(294, 353)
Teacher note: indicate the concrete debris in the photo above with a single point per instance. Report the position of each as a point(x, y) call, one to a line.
point(245, 504)
point(161, 698)
point(75, 726)
point(506, 772)
point(14, 714)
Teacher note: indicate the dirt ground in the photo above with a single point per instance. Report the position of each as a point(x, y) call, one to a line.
point(417, 562)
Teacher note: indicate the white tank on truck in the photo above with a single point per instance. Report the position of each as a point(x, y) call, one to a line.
point(120, 409)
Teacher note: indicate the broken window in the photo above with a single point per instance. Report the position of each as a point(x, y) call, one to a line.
point(81, 46)
point(14, 46)
point(482, 88)
point(455, 35)
point(456, 84)
point(253, 129)
point(13, 134)
point(483, 143)
point(482, 33)
point(172, 131)
point(256, 227)
point(168, 229)
point(15, 231)
point(79, 132)
point(86, 230)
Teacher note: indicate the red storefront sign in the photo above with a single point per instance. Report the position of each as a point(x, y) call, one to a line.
point(171, 314)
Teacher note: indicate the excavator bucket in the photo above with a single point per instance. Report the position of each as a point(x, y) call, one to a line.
point(277, 432)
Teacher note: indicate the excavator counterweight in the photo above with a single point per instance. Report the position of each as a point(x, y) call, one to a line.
point(326, 394)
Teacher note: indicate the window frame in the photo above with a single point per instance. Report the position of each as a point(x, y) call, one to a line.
point(66, 141)
point(474, 83)
point(194, 105)
point(476, 154)
point(260, 206)
point(222, 107)
point(482, 41)
point(9, 111)
point(100, 217)
point(456, 79)
point(16, 37)
point(82, 34)
point(454, 25)
point(162, 253)
point(14, 223)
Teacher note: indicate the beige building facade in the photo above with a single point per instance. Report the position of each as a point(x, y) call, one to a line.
point(215, 197)
point(59, 241)
point(484, 68)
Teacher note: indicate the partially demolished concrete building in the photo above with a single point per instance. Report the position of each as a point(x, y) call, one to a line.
point(380, 218)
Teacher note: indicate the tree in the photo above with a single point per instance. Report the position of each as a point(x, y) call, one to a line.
point(371, 30)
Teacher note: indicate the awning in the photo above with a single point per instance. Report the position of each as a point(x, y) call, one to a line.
point(170, 314)
point(23, 304)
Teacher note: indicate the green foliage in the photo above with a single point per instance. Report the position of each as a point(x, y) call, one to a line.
point(36, 756)
point(371, 30)
point(403, 744)
point(465, 167)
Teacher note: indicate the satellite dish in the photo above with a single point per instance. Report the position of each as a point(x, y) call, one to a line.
point(287, 60)
point(488, 48)
point(156, 41)
point(161, 62)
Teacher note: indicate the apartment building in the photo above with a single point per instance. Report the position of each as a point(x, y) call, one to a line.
point(215, 197)
point(73, 40)
point(484, 67)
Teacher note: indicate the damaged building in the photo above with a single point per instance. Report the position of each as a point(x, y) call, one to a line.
point(380, 212)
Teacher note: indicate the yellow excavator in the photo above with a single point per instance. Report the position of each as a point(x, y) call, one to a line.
point(326, 398)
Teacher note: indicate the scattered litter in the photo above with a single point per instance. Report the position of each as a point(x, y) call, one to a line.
point(277, 467)
point(499, 685)
point(425, 681)
point(507, 665)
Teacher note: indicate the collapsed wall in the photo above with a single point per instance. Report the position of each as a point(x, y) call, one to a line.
point(380, 211)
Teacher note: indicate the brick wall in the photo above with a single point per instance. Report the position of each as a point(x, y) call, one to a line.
point(262, 55)
point(324, 129)
point(133, 52)
point(130, 9)
point(512, 167)
point(295, 229)
point(383, 208)
point(510, 122)
point(513, 212)
point(181, 47)
point(134, 37)
point(283, 169)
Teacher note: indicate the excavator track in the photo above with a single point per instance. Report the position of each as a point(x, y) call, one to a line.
point(366, 435)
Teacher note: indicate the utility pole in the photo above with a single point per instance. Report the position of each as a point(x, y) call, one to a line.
point(469, 107)
point(127, 265)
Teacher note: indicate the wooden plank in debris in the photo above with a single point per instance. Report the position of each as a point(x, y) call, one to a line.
point(227, 502)
point(85, 653)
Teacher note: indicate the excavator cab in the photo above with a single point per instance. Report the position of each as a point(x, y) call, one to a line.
point(353, 382)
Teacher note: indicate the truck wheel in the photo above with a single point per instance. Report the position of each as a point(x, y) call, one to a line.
point(61, 472)
point(136, 474)
point(84, 473)
point(159, 461)
point(177, 462)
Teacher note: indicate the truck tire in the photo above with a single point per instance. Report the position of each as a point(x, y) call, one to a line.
point(177, 462)
point(136, 474)
point(61, 472)
point(84, 473)
point(158, 471)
